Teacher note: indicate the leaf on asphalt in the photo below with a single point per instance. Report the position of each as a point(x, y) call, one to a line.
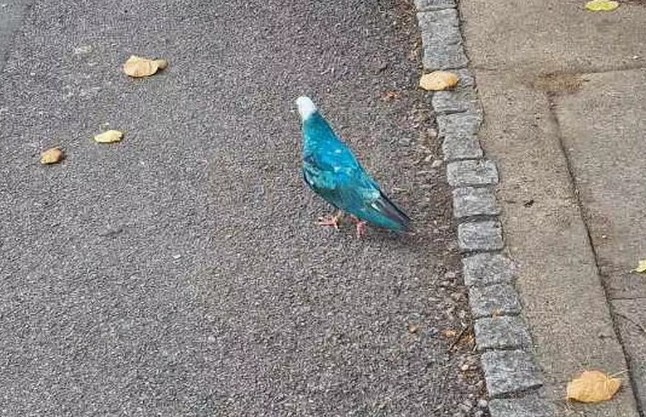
point(138, 67)
point(51, 156)
point(592, 387)
point(601, 5)
point(438, 81)
point(109, 137)
point(641, 267)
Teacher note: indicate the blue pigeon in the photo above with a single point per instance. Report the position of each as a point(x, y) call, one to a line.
point(333, 172)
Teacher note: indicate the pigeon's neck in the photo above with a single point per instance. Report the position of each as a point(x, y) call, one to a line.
point(317, 132)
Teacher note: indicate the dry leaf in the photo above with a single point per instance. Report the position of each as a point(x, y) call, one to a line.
point(413, 328)
point(109, 137)
point(641, 267)
point(601, 5)
point(592, 387)
point(438, 81)
point(138, 67)
point(51, 156)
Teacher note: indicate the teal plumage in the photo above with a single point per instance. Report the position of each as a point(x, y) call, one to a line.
point(333, 172)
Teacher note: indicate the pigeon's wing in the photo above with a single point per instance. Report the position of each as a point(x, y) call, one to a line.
point(324, 179)
point(369, 203)
point(338, 178)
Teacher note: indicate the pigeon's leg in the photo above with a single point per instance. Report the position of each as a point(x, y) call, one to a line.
point(332, 220)
point(361, 227)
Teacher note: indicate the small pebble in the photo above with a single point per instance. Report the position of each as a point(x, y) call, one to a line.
point(466, 406)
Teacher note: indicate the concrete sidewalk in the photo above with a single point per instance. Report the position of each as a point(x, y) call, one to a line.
point(564, 93)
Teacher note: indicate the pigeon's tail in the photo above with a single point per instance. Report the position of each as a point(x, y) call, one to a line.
point(391, 217)
point(306, 107)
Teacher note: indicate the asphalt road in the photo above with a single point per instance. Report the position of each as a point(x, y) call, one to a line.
point(179, 272)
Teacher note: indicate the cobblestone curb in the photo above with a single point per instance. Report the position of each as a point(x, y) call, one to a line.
point(514, 381)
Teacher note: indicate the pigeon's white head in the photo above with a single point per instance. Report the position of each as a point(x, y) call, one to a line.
point(306, 107)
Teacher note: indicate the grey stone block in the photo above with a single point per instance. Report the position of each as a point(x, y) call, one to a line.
point(480, 236)
point(441, 40)
point(461, 147)
point(461, 124)
point(469, 201)
point(509, 371)
point(495, 300)
point(438, 57)
point(487, 268)
point(528, 405)
point(462, 98)
point(504, 332)
point(458, 132)
point(447, 19)
point(475, 172)
point(426, 5)
point(466, 77)
point(458, 100)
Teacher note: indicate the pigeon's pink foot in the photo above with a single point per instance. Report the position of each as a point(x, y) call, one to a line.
point(361, 227)
point(331, 221)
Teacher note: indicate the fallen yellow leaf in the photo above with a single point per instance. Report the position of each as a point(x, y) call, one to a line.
point(51, 156)
point(641, 267)
point(601, 5)
point(438, 81)
point(138, 67)
point(592, 387)
point(109, 137)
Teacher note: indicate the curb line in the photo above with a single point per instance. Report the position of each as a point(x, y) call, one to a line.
point(514, 381)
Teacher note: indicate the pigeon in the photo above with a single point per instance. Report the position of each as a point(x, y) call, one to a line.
point(332, 171)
